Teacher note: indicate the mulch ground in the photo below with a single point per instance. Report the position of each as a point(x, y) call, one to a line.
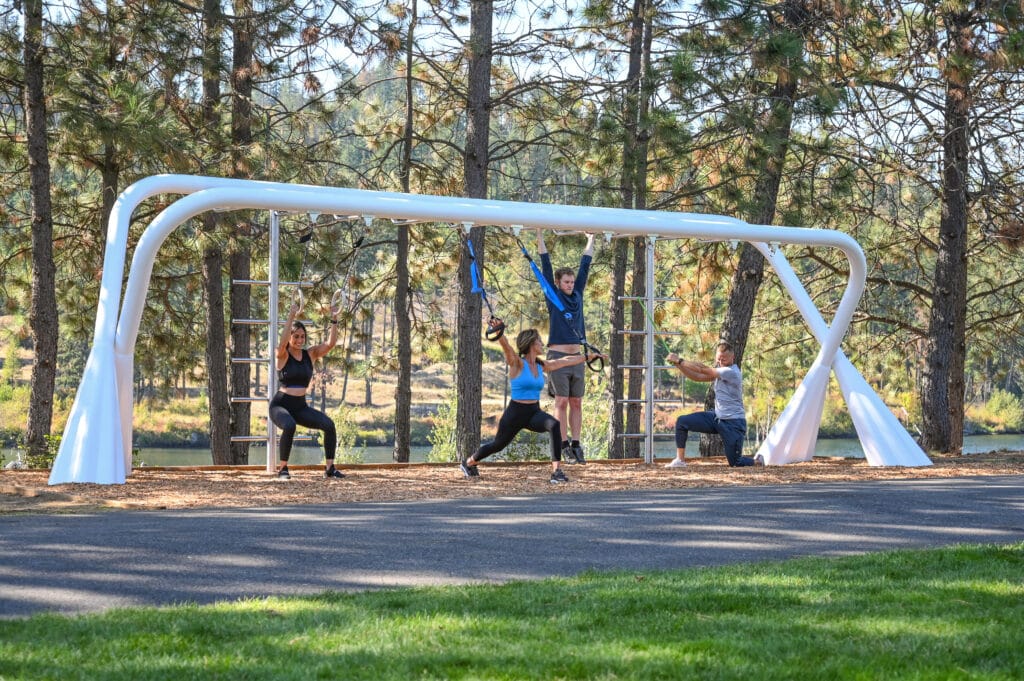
point(26, 491)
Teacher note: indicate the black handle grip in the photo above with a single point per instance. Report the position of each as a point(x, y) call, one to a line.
point(494, 332)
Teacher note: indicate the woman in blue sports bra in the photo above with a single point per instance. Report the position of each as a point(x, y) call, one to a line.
point(288, 408)
point(526, 374)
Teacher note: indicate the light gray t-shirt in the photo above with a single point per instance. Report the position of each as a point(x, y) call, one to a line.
point(729, 393)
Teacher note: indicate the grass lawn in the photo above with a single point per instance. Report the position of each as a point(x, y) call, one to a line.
point(954, 613)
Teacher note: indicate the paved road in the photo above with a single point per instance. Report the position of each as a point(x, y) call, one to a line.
point(93, 562)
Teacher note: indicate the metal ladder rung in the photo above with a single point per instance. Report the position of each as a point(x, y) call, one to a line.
point(639, 435)
point(250, 398)
point(266, 282)
point(641, 332)
point(655, 299)
point(263, 438)
point(644, 366)
point(640, 400)
point(249, 360)
point(264, 322)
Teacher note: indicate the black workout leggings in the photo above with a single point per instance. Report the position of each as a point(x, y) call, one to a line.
point(288, 411)
point(519, 415)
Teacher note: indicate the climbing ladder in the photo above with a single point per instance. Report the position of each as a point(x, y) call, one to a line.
point(273, 285)
point(648, 367)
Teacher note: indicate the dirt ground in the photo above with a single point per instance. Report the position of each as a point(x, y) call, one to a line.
point(26, 491)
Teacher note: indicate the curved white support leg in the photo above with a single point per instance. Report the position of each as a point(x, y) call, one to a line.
point(794, 434)
point(884, 439)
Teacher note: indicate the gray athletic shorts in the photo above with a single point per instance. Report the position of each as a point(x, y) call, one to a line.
point(567, 381)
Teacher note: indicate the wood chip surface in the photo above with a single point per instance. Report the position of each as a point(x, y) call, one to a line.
point(211, 487)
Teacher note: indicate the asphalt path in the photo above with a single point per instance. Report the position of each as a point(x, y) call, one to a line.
point(92, 562)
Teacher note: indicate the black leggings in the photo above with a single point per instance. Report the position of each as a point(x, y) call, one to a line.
point(289, 411)
point(519, 415)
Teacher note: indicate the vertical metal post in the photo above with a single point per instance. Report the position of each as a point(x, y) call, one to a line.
point(649, 355)
point(272, 333)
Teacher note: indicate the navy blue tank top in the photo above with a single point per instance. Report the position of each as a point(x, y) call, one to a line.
point(296, 373)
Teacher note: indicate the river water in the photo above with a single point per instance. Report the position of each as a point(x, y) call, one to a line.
point(847, 447)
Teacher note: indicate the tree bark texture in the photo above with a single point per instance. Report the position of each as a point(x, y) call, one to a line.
point(43, 304)
point(219, 406)
point(769, 157)
point(216, 360)
point(616, 348)
point(635, 384)
point(240, 253)
point(942, 384)
point(403, 321)
point(475, 161)
point(634, 196)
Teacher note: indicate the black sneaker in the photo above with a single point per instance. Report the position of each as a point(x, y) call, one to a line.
point(568, 455)
point(469, 471)
point(283, 474)
point(577, 453)
point(333, 472)
point(558, 477)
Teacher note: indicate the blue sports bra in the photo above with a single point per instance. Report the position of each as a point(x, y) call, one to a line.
point(526, 387)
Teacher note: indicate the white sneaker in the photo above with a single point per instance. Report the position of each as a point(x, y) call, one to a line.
point(676, 463)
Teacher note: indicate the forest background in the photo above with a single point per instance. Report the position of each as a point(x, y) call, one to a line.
point(898, 123)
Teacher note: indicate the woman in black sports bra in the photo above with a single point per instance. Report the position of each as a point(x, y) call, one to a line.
point(289, 409)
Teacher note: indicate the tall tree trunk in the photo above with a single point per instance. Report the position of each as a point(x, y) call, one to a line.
point(942, 394)
point(213, 258)
point(475, 160)
point(216, 360)
point(617, 348)
point(633, 194)
point(240, 256)
point(111, 180)
point(635, 384)
point(368, 325)
point(43, 304)
point(768, 155)
point(110, 169)
point(403, 385)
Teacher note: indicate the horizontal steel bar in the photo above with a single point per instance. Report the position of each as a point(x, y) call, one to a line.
point(639, 435)
point(265, 282)
point(656, 299)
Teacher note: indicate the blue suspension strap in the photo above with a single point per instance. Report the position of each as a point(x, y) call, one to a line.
point(595, 364)
point(495, 327)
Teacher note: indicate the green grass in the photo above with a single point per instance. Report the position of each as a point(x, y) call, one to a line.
point(954, 613)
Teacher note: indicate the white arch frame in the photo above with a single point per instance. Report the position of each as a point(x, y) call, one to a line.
point(96, 446)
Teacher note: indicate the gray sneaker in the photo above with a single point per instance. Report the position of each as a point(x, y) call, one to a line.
point(568, 454)
point(577, 453)
point(558, 477)
point(469, 471)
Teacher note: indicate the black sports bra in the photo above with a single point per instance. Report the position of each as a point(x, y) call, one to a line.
point(296, 373)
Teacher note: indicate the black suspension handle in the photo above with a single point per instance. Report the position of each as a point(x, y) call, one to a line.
point(596, 363)
point(494, 330)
